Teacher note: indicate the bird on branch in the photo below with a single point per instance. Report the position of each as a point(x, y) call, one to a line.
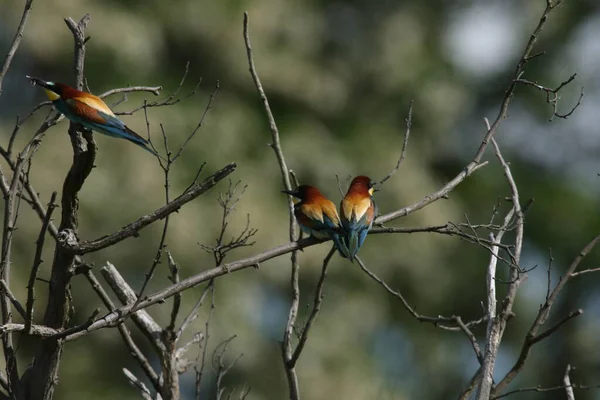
point(317, 215)
point(89, 111)
point(358, 211)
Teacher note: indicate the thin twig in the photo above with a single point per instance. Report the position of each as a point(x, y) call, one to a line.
point(552, 96)
point(541, 319)
point(174, 268)
point(135, 382)
point(6, 291)
point(275, 145)
point(471, 338)
point(200, 123)
point(16, 42)
point(37, 261)
point(126, 295)
point(134, 350)
point(584, 271)
point(440, 321)
point(220, 366)
point(404, 145)
point(567, 382)
point(133, 228)
point(540, 389)
point(315, 310)
point(202, 359)
point(163, 236)
point(194, 311)
point(155, 90)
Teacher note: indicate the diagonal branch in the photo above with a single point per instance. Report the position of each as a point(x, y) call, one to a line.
point(315, 311)
point(126, 295)
point(134, 350)
point(16, 42)
point(404, 145)
point(37, 261)
point(133, 228)
point(542, 317)
point(276, 144)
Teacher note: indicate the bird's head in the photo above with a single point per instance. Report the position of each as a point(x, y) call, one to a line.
point(54, 90)
point(303, 192)
point(363, 184)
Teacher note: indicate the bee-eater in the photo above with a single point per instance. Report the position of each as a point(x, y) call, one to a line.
point(357, 212)
point(317, 215)
point(89, 110)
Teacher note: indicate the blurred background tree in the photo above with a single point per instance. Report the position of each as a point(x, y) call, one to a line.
point(340, 76)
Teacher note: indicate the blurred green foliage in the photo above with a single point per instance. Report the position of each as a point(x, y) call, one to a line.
point(339, 76)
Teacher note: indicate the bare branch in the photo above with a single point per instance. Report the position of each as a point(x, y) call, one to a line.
point(194, 311)
point(174, 268)
point(134, 350)
point(493, 333)
point(36, 330)
point(126, 295)
point(155, 90)
point(15, 43)
point(315, 311)
point(136, 383)
point(585, 271)
point(133, 228)
point(440, 194)
point(404, 145)
point(539, 337)
point(37, 261)
point(200, 123)
point(163, 236)
point(219, 365)
point(138, 355)
point(541, 319)
point(440, 321)
point(6, 291)
point(286, 344)
point(552, 96)
point(275, 145)
point(471, 338)
point(170, 100)
point(567, 382)
point(496, 325)
point(567, 387)
point(202, 359)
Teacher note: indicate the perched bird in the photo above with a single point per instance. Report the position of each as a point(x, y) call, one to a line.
point(357, 212)
point(317, 215)
point(89, 110)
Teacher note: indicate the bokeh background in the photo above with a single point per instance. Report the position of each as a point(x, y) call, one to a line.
point(340, 76)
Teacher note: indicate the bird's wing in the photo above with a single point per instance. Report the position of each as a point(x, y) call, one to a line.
point(330, 214)
point(102, 121)
point(355, 207)
point(88, 113)
point(312, 211)
point(95, 102)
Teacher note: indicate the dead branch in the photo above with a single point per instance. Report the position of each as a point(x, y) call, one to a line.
point(133, 228)
point(15, 43)
point(532, 336)
point(37, 261)
point(404, 146)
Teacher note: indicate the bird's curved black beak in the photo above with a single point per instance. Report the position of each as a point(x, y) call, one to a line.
point(36, 81)
point(290, 192)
